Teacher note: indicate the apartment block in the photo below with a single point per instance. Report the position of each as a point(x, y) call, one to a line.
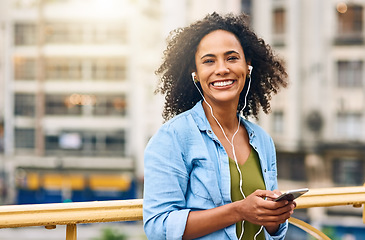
point(318, 122)
point(76, 78)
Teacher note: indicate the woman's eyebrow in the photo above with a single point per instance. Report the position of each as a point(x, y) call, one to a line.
point(226, 53)
point(230, 52)
point(208, 55)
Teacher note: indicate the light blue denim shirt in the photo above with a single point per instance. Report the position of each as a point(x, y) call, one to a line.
point(187, 169)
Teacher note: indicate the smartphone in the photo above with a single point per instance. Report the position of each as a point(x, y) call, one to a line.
point(292, 194)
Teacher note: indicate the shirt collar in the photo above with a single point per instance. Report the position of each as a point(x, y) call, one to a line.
point(199, 116)
point(203, 123)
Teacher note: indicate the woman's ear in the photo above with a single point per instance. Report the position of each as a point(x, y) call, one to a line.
point(194, 77)
point(249, 66)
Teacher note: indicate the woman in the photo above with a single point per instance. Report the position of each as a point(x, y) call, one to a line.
point(210, 173)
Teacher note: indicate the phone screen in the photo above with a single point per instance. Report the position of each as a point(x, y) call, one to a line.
point(292, 194)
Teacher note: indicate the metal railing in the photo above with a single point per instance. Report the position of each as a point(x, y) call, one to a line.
point(71, 214)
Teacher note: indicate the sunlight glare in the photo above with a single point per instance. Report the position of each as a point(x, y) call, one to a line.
point(342, 7)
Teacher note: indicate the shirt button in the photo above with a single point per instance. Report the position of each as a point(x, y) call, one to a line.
point(210, 131)
point(264, 170)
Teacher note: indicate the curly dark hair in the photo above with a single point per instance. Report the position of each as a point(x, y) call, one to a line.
point(179, 62)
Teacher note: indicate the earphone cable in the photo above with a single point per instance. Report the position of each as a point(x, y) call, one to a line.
point(232, 145)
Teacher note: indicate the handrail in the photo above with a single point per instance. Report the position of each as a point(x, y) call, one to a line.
point(71, 214)
point(329, 197)
point(314, 232)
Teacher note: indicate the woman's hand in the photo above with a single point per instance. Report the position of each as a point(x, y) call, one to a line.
point(254, 209)
point(259, 208)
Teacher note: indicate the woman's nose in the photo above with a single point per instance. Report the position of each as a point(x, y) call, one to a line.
point(221, 68)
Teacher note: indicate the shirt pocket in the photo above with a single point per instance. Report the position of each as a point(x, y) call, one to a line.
point(203, 180)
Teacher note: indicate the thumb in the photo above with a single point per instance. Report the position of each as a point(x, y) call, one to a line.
point(266, 194)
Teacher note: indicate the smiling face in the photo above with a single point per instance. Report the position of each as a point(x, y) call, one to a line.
point(221, 67)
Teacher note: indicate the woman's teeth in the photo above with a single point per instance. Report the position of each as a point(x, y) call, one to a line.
point(222, 83)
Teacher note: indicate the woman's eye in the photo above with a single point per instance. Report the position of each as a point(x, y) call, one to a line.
point(208, 61)
point(232, 58)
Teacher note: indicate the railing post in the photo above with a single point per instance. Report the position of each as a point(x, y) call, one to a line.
point(71, 232)
point(363, 215)
point(363, 211)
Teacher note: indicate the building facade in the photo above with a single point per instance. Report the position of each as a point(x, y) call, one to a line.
point(318, 122)
point(76, 78)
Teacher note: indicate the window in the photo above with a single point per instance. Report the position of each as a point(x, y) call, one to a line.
point(91, 69)
point(24, 68)
point(87, 143)
point(350, 74)
point(279, 27)
point(63, 33)
point(350, 25)
point(63, 69)
point(108, 69)
point(279, 21)
point(99, 105)
point(291, 166)
point(91, 33)
point(24, 105)
point(349, 126)
point(107, 33)
point(110, 105)
point(25, 34)
point(24, 138)
point(51, 143)
point(114, 142)
point(59, 33)
point(246, 6)
point(348, 172)
point(61, 105)
point(278, 122)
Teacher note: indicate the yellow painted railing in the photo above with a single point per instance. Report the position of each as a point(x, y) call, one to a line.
point(329, 197)
point(71, 214)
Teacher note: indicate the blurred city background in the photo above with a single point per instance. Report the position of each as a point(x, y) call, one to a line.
point(77, 103)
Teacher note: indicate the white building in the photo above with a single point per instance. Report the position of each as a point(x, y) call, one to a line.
point(78, 81)
point(318, 123)
point(76, 78)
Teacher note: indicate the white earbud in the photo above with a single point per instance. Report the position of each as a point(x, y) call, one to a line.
point(193, 76)
point(250, 69)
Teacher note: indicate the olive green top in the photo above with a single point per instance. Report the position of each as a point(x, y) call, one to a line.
point(252, 180)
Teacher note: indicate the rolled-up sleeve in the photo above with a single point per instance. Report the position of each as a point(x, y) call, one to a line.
point(165, 185)
point(280, 234)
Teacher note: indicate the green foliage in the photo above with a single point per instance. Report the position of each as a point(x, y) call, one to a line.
point(330, 232)
point(111, 234)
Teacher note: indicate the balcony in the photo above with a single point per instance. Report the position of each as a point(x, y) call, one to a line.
point(71, 214)
point(349, 39)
